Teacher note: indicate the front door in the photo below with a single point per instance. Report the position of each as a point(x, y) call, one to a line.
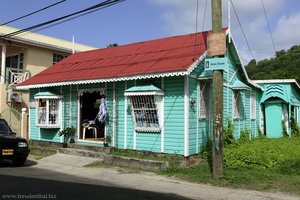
point(91, 129)
point(273, 114)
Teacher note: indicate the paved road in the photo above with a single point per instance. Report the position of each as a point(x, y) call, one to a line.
point(64, 177)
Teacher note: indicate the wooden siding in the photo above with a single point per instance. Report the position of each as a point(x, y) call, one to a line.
point(174, 115)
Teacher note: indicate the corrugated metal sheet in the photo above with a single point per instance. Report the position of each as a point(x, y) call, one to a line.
point(171, 54)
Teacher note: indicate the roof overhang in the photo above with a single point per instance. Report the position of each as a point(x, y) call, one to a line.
point(277, 81)
point(117, 79)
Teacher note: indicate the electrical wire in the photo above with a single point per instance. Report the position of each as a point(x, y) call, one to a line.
point(32, 13)
point(97, 6)
point(204, 14)
point(262, 3)
point(197, 10)
point(242, 29)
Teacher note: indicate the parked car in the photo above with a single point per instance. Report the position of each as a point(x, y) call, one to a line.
point(12, 147)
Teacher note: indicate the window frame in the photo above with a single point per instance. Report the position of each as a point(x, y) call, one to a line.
point(252, 106)
point(236, 104)
point(58, 111)
point(154, 109)
point(206, 100)
point(55, 58)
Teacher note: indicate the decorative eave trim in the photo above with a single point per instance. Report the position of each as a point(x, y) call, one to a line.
point(144, 93)
point(196, 63)
point(146, 76)
point(278, 81)
point(48, 97)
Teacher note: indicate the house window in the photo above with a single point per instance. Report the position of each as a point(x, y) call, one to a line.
point(236, 104)
point(145, 112)
point(48, 112)
point(57, 58)
point(253, 106)
point(204, 99)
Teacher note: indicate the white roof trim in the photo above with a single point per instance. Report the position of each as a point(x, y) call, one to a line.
point(144, 93)
point(195, 64)
point(48, 97)
point(243, 67)
point(145, 76)
point(278, 81)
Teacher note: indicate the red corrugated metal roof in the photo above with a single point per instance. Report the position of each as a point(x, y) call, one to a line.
point(173, 54)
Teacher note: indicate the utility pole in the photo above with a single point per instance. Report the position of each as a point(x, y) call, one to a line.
point(217, 49)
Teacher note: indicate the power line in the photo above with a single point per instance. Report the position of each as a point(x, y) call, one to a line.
point(97, 6)
point(34, 12)
point(204, 14)
point(242, 29)
point(262, 3)
point(197, 10)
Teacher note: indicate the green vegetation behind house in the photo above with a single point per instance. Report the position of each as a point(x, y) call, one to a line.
point(285, 65)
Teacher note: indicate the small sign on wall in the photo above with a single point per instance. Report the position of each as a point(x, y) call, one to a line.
point(216, 64)
point(32, 104)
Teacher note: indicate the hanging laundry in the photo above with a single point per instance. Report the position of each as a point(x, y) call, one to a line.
point(102, 114)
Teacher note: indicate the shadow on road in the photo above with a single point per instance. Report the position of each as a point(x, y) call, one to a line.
point(8, 163)
point(65, 190)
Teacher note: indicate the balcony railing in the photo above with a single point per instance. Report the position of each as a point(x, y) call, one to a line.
point(16, 76)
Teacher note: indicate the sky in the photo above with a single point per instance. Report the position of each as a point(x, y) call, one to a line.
point(139, 20)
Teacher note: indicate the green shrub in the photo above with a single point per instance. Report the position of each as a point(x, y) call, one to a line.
point(294, 126)
point(284, 129)
point(228, 132)
point(245, 136)
point(263, 154)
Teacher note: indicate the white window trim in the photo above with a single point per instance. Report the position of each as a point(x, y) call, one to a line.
point(158, 100)
point(252, 114)
point(201, 117)
point(47, 98)
point(236, 104)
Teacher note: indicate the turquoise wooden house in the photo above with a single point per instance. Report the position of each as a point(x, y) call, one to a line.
point(158, 96)
point(280, 100)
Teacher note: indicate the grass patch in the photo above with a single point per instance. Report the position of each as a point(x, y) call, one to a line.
point(255, 179)
point(145, 155)
point(260, 164)
point(39, 153)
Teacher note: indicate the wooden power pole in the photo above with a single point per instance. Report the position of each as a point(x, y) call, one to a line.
point(217, 49)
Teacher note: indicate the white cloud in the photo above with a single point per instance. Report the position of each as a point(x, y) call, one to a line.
point(179, 18)
point(287, 31)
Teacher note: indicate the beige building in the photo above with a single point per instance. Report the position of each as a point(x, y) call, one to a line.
point(23, 56)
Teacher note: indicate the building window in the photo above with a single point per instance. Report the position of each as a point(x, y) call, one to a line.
point(57, 58)
point(236, 104)
point(253, 106)
point(48, 112)
point(204, 99)
point(145, 112)
point(15, 61)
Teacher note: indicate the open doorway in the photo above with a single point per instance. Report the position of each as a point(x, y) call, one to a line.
point(91, 129)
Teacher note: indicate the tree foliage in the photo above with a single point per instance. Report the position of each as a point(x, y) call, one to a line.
point(285, 65)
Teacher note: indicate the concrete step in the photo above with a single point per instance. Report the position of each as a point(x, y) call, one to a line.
point(82, 152)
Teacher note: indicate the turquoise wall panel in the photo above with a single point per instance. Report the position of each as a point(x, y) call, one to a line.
point(174, 115)
point(148, 142)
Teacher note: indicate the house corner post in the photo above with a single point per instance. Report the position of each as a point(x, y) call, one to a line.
point(3, 58)
point(24, 124)
point(186, 116)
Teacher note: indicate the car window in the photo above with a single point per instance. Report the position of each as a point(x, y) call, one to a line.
point(4, 129)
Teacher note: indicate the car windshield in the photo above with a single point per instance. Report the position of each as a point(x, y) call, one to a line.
point(4, 129)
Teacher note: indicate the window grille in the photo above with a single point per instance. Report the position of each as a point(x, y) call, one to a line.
point(204, 100)
point(253, 106)
point(145, 113)
point(236, 103)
